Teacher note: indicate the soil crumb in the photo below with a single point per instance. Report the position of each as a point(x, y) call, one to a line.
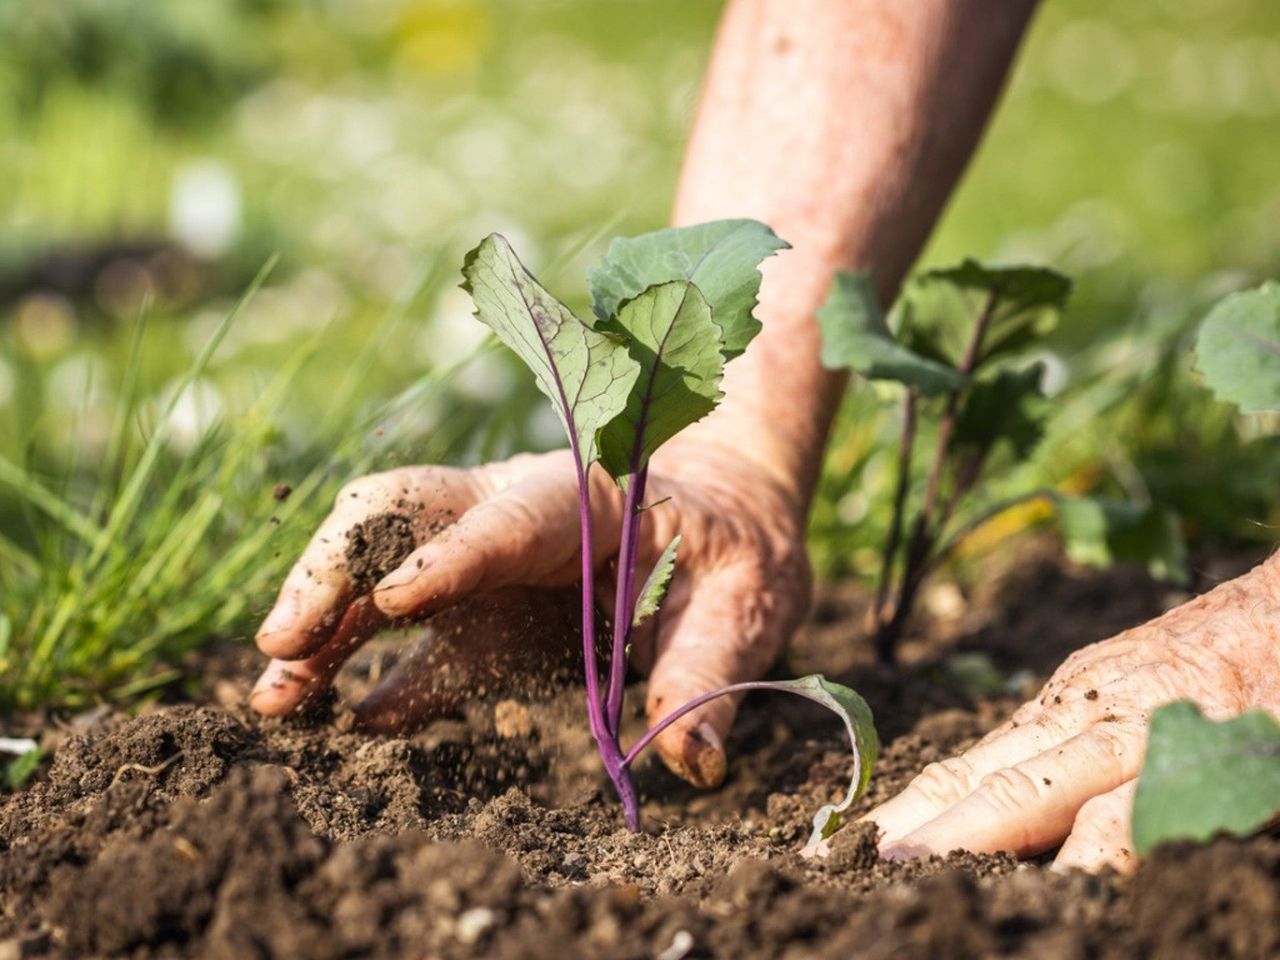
point(377, 546)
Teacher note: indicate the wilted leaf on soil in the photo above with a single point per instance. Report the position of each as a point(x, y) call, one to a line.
point(859, 724)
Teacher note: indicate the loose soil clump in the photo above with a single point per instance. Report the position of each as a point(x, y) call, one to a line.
point(377, 546)
point(201, 830)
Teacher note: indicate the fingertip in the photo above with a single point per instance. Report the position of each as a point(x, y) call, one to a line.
point(280, 690)
point(695, 753)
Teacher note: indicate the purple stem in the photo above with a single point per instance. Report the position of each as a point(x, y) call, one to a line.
point(624, 599)
point(594, 706)
point(606, 740)
point(693, 704)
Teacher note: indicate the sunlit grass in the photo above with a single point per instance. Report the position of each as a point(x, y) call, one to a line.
point(162, 552)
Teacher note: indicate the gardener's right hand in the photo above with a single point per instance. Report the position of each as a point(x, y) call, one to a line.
point(483, 534)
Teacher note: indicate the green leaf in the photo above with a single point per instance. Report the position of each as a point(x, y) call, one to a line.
point(655, 585)
point(586, 374)
point(721, 258)
point(1009, 406)
point(1099, 531)
point(671, 336)
point(855, 336)
point(1238, 349)
point(859, 724)
point(1019, 287)
point(1202, 778)
point(23, 768)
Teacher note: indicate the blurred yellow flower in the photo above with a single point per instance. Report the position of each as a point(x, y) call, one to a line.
point(443, 36)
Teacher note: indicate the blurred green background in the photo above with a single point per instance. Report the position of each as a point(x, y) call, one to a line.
point(154, 156)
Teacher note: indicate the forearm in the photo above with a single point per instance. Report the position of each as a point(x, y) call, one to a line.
point(844, 125)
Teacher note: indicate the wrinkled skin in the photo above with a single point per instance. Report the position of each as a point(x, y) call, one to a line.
point(1062, 770)
point(740, 589)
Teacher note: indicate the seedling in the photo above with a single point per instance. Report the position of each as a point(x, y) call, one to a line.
point(966, 377)
point(671, 308)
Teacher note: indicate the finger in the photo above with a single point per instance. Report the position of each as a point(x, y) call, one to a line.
point(527, 534)
point(518, 640)
point(722, 635)
point(317, 590)
point(1030, 806)
point(286, 684)
point(313, 597)
point(1101, 835)
point(945, 783)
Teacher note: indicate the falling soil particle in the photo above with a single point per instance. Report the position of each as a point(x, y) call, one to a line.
point(281, 492)
point(377, 546)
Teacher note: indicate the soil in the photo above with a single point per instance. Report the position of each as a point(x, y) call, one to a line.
point(197, 829)
point(377, 546)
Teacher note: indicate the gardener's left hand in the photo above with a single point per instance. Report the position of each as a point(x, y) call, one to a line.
point(1062, 770)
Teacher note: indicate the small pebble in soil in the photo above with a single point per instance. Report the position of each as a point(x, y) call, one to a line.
point(471, 926)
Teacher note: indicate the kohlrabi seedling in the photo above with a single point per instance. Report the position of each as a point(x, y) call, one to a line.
point(671, 308)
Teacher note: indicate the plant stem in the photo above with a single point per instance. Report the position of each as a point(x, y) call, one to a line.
point(905, 448)
point(591, 667)
point(652, 733)
point(606, 740)
point(925, 530)
point(624, 598)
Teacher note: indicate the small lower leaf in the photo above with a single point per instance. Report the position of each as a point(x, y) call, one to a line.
point(655, 585)
point(1202, 778)
point(855, 713)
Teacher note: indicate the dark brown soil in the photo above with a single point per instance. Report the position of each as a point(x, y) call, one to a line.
point(200, 830)
point(377, 546)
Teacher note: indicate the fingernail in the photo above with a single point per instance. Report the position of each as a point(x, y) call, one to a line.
point(903, 851)
point(400, 577)
point(704, 753)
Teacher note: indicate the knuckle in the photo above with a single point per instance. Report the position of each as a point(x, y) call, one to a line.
point(943, 782)
point(1100, 814)
point(1010, 789)
point(364, 488)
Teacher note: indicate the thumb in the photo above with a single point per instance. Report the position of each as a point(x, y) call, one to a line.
point(718, 638)
point(524, 535)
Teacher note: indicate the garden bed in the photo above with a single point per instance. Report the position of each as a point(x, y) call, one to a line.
point(198, 829)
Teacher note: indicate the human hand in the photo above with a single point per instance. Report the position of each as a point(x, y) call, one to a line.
point(1062, 770)
point(741, 587)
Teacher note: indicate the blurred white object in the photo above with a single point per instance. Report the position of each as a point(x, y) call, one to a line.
point(17, 745)
point(205, 208)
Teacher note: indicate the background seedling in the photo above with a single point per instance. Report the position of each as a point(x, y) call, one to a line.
point(974, 383)
point(671, 308)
